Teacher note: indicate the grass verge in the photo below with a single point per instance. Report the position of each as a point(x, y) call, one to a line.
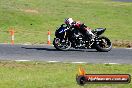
point(32, 19)
point(55, 75)
point(123, 43)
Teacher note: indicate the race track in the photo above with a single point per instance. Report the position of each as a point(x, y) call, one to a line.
point(49, 53)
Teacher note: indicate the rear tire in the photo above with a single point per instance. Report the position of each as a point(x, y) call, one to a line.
point(103, 45)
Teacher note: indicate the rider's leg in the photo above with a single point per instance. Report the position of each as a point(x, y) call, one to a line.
point(89, 34)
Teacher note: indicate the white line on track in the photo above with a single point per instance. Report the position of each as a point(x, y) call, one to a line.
point(63, 62)
point(128, 48)
point(78, 62)
point(22, 60)
point(111, 63)
point(53, 61)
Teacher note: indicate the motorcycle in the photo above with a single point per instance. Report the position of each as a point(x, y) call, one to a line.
point(66, 37)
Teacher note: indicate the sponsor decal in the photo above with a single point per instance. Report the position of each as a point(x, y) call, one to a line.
point(83, 78)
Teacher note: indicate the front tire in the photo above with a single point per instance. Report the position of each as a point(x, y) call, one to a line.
point(60, 45)
point(103, 45)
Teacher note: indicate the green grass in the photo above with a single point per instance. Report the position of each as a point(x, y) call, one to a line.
point(55, 75)
point(32, 19)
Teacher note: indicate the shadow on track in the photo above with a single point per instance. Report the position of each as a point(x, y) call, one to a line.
point(46, 49)
point(49, 49)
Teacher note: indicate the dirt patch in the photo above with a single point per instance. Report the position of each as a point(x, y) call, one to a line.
point(12, 64)
point(122, 43)
point(30, 11)
point(105, 87)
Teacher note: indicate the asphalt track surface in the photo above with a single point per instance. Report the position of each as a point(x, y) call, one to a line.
point(49, 53)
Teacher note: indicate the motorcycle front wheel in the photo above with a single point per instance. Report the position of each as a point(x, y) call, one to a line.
point(61, 44)
point(103, 44)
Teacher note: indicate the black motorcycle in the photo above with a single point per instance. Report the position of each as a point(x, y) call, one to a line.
point(67, 37)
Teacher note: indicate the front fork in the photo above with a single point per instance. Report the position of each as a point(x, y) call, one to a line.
point(65, 38)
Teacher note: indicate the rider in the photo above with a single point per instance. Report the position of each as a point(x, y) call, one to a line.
point(81, 27)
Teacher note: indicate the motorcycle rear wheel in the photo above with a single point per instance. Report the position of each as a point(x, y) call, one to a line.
point(103, 45)
point(60, 45)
